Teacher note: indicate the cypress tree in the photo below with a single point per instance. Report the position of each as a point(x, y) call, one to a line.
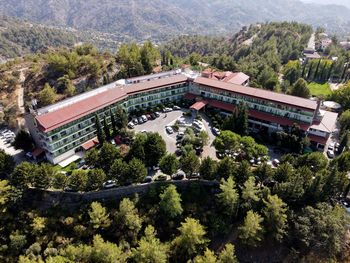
point(310, 71)
point(114, 124)
point(303, 72)
point(344, 72)
point(106, 128)
point(321, 78)
point(330, 71)
point(100, 133)
point(317, 68)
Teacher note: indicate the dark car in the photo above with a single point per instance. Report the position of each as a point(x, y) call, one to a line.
point(178, 152)
point(180, 175)
point(148, 116)
point(140, 120)
point(153, 116)
point(194, 176)
point(148, 179)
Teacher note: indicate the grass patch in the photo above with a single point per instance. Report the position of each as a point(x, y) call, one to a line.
point(319, 90)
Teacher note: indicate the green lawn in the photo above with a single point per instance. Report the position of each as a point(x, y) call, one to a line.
point(317, 89)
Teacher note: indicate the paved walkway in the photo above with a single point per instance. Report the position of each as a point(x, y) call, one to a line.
point(311, 44)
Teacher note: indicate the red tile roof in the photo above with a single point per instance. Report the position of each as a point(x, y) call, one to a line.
point(154, 84)
point(237, 78)
point(199, 105)
point(259, 93)
point(90, 144)
point(317, 139)
point(57, 118)
point(259, 115)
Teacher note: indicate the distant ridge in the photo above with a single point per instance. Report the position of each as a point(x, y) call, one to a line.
point(159, 19)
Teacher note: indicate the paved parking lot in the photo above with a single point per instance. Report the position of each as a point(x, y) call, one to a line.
point(169, 119)
point(18, 155)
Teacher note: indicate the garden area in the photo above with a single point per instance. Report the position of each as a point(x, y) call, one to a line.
point(319, 89)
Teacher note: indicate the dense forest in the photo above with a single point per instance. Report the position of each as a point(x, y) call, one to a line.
point(289, 213)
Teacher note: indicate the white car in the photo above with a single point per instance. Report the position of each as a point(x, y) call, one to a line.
point(169, 130)
point(276, 162)
point(109, 184)
point(216, 131)
point(331, 146)
point(330, 153)
point(144, 118)
point(131, 125)
point(176, 108)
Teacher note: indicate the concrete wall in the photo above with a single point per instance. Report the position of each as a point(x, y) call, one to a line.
point(45, 199)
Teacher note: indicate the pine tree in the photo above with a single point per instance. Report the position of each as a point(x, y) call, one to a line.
point(100, 133)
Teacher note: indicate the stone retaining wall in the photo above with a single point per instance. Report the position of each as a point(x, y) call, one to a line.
point(45, 199)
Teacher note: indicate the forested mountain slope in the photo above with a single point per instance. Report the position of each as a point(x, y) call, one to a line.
point(18, 38)
point(141, 19)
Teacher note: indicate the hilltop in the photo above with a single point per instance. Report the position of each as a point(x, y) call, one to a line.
point(160, 19)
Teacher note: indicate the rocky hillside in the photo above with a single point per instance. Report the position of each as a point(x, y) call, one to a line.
point(158, 19)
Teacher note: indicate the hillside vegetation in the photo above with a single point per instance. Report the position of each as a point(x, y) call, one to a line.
point(142, 19)
point(18, 38)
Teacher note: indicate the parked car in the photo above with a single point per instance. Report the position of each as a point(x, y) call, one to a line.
point(331, 146)
point(330, 153)
point(131, 125)
point(180, 175)
point(176, 108)
point(109, 184)
point(153, 116)
point(148, 116)
point(276, 162)
point(161, 177)
point(29, 155)
point(180, 135)
point(144, 118)
point(194, 176)
point(135, 121)
point(169, 130)
point(167, 109)
point(346, 205)
point(148, 179)
point(178, 152)
point(140, 120)
point(216, 131)
point(157, 114)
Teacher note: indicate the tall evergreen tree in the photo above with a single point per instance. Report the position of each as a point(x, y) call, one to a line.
point(330, 71)
point(317, 68)
point(113, 123)
point(100, 133)
point(106, 128)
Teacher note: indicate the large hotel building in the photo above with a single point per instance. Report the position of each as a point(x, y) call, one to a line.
point(65, 128)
